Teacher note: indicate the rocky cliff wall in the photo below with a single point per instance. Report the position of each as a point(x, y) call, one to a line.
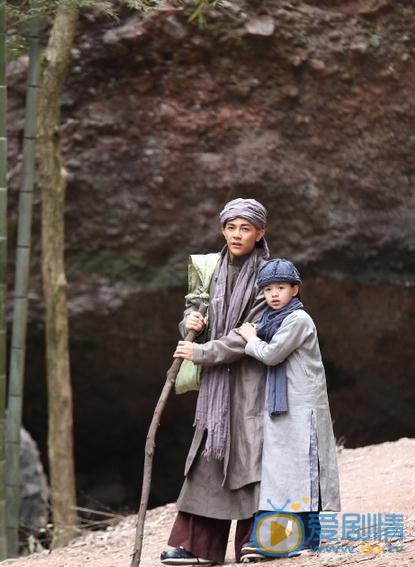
point(307, 106)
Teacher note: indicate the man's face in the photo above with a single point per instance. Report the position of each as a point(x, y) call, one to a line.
point(241, 236)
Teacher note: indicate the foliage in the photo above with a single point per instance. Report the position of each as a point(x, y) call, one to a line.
point(22, 12)
point(200, 8)
point(203, 7)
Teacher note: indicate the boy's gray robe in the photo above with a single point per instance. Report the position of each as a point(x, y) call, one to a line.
point(287, 463)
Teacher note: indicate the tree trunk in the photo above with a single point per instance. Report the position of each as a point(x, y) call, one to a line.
point(3, 276)
point(53, 181)
point(20, 300)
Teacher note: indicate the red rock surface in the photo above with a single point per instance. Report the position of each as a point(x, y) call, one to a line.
point(307, 106)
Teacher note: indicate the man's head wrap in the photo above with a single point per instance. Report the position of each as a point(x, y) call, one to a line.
point(279, 270)
point(248, 209)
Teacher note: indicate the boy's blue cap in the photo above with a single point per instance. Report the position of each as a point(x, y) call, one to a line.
point(278, 270)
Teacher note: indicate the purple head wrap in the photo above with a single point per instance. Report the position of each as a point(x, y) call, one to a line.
point(248, 209)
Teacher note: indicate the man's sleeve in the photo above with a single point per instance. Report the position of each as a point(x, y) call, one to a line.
point(230, 347)
point(190, 308)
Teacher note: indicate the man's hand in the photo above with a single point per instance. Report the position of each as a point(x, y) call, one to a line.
point(247, 331)
point(195, 322)
point(184, 350)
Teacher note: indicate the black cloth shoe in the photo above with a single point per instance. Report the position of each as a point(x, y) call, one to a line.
point(180, 556)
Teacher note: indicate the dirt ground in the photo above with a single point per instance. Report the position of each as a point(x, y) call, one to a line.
point(374, 479)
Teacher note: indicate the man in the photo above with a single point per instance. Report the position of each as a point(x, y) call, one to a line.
point(223, 467)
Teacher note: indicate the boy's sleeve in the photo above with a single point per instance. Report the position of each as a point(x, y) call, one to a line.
point(294, 331)
point(230, 347)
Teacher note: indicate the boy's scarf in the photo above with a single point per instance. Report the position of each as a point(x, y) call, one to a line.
point(268, 325)
point(213, 402)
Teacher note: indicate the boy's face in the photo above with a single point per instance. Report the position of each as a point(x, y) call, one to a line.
point(241, 236)
point(279, 294)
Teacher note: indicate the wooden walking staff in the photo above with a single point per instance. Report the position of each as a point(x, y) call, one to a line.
point(150, 446)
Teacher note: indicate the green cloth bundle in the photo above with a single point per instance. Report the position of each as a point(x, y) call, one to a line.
point(200, 271)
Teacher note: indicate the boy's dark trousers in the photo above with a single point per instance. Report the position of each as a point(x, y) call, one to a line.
point(208, 537)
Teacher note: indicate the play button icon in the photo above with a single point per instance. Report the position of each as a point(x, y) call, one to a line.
point(278, 533)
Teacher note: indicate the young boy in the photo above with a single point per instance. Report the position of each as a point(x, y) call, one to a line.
point(299, 453)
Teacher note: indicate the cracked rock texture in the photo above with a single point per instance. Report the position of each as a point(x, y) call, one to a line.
point(309, 107)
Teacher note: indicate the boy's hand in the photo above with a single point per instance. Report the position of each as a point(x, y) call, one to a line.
point(195, 322)
point(184, 349)
point(247, 330)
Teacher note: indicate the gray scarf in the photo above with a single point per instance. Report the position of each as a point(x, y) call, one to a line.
point(213, 403)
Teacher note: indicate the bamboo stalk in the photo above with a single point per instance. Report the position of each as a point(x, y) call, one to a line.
point(150, 446)
point(20, 303)
point(3, 276)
